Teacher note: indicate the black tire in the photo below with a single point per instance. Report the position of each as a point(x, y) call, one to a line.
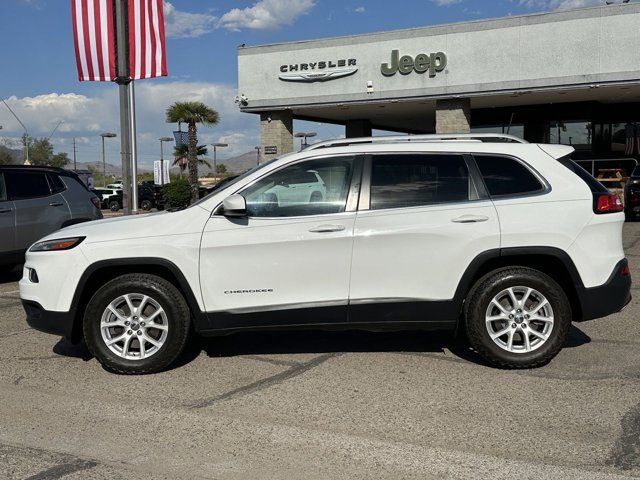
point(491, 285)
point(166, 295)
point(630, 216)
point(316, 197)
point(114, 206)
point(146, 205)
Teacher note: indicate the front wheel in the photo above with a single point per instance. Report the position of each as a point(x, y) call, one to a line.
point(114, 206)
point(517, 318)
point(136, 323)
point(146, 205)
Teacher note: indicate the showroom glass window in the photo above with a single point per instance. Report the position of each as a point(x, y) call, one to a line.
point(313, 187)
point(24, 185)
point(3, 189)
point(507, 176)
point(412, 180)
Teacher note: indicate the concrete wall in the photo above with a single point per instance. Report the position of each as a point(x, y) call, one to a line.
point(562, 49)
point(276, 130)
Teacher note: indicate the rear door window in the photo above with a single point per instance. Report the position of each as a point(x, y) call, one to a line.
point(506, 176)
point(23, 185)
point(399, 181)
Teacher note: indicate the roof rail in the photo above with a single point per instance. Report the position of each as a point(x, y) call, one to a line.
point(427, 138)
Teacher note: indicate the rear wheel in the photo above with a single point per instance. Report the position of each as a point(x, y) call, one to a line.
point(517, 318)
point(114, 206)
point(316, 197)
point(136, 323)
point(145, 205)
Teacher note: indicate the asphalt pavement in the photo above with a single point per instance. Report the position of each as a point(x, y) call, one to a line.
point(323, 405)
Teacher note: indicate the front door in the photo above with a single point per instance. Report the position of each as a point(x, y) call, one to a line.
point(420, 225)
point(288, 261)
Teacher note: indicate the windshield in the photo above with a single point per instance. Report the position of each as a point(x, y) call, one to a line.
point(237, 179)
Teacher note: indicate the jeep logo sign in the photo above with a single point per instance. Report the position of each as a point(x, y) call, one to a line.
point(433, 63)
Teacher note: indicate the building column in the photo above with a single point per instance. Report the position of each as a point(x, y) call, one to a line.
point(453, 116)
point(357, 128)
point(276, 134)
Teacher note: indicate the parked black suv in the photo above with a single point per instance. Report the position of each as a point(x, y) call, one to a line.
point(149, 196)
point(632, 195)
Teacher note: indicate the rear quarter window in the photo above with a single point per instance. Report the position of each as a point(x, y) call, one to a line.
point(506, 176)
point(56, 183)
point(594, 185)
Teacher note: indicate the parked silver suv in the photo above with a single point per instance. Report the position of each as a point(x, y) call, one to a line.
point(37, 201)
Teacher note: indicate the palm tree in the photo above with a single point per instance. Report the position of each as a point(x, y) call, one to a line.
point(192, 113)
point(181, 151)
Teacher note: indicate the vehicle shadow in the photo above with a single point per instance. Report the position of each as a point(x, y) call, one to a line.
point(10, 276)
point(420, 343)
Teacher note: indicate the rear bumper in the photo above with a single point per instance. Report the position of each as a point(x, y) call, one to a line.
point(609, 298)
point(56, 323)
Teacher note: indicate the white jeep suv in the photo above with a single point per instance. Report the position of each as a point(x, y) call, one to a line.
point(504, 241)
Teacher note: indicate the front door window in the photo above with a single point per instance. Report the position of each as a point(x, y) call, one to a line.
point(313, 187)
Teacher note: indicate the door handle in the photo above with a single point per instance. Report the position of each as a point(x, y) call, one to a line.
point(5, 210)
point(470, 219)
point(327, 229)
point(55, 204)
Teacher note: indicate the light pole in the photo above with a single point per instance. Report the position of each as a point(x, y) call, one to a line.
point(303, 138)
point(26, 133)
point(162, 140)
point(104, 163)
point(258, 150)
point(215, 165)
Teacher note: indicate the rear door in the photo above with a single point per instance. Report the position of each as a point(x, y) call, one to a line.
point(7, 220)
point(38, 211)
point(419, 225)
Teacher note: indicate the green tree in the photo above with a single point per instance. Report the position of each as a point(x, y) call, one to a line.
point(60, 160)
point(7, 157)
point(176, 194)
point(181, 151)
point(221, 169)
point(192, 113)
point(41, 153)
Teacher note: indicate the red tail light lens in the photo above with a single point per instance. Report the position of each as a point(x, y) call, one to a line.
point(608, 203)
point(96, 202)
point(625, 272)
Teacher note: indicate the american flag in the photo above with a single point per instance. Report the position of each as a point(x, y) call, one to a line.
point(632, 131)
point(95, 39)
point(182, 138)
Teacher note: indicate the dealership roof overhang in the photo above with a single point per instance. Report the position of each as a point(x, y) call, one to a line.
point(395, 78)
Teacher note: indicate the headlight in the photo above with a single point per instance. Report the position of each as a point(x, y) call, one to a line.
point(57, 244)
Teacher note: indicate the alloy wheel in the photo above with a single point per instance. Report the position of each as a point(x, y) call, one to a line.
point(134, 326)
point(519, 319)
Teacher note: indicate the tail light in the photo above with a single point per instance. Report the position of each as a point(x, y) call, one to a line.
point(625, 271)
point(96, 202)
point(607, 203)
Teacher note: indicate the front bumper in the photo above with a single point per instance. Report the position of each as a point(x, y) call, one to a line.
point(56, 323)
point(609, 298)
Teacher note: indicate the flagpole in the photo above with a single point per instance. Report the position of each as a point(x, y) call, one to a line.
point(134, 149)
point(123, 80)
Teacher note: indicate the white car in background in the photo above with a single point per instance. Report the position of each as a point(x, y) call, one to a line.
point(288, 192)
point(115, 186)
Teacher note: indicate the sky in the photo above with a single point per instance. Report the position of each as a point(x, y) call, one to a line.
point(38, 76)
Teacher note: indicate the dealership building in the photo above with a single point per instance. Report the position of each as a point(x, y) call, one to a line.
point(570, 77)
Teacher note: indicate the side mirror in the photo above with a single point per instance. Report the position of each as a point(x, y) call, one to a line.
point(234, 206)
